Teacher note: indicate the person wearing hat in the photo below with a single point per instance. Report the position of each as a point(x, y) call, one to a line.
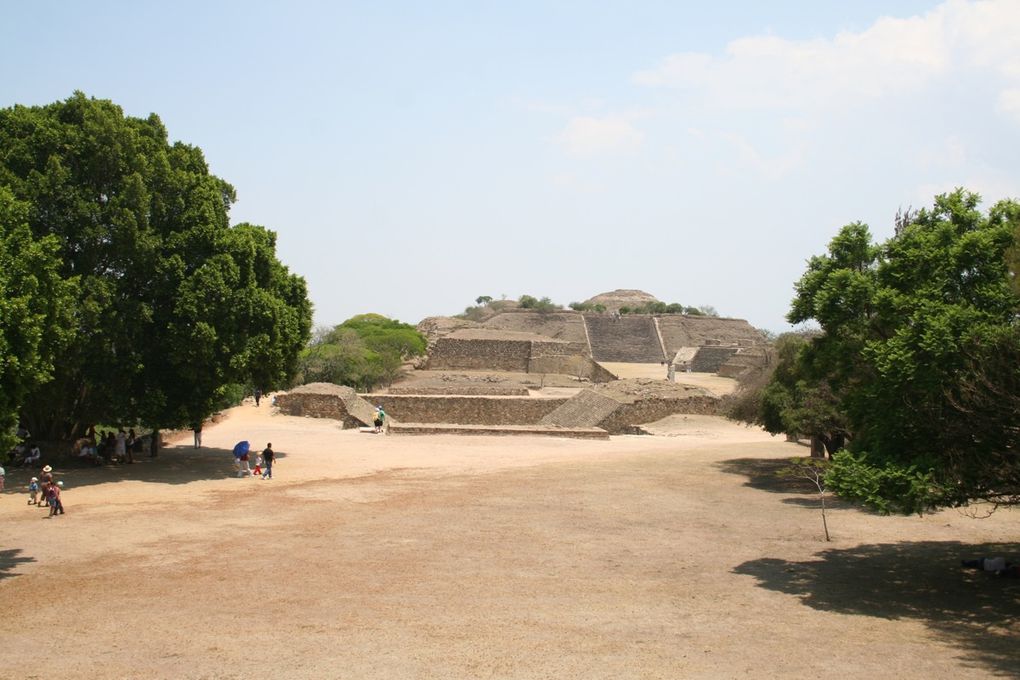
point(45, 480)
point(33, 491)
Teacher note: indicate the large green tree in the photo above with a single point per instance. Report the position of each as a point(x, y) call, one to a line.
point(171, 302)
point(35, 306)
point(909, 326)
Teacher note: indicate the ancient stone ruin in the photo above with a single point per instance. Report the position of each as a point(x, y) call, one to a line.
point(521, 371)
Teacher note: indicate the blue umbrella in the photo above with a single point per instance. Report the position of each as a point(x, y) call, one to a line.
point(241, 448)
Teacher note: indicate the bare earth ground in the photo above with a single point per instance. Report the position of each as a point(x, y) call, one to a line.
point(674, 556)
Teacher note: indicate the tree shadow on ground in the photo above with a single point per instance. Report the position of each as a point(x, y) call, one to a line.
point(9, 561)
point(764, 474)
point(173, 465)
point(969, 609)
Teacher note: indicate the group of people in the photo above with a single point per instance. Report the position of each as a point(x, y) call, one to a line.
point(266, 458)
point(115, 447)
point(44, 491)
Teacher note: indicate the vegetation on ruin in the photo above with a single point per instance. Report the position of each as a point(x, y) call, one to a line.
point(670, 308)
point(538, 304)
point(127, 296)
point(918, 362)
point(365, 351)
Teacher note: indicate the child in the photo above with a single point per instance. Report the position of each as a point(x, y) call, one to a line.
point(33, 491)
point(258, 467)
point(53, 498)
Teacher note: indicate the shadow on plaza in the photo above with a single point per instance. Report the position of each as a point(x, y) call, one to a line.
point(765, 474)
point(973, 611)
point(174, 465)
point(9, 561)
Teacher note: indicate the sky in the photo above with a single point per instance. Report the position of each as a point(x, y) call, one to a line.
point(414, 156)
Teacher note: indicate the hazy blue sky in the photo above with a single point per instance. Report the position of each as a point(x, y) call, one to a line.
point(412, 156)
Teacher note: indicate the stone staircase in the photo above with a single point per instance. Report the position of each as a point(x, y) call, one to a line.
point(586, 409)
point(625, 339)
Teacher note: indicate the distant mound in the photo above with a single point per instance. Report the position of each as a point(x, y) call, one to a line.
point(622, 297)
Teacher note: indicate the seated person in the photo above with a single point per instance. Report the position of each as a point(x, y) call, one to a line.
point(84, 449)
point(33, 455)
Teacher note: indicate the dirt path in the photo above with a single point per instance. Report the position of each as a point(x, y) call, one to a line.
point(462, 557)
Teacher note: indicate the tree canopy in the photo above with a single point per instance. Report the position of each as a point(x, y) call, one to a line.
point(911, 328)
point(362, 352)
point(162, 302)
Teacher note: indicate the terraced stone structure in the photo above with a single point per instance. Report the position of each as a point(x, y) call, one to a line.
point(563, 346)
point(609, 337)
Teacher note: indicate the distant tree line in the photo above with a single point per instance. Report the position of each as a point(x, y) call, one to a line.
point(485, 303)
point(912, 383)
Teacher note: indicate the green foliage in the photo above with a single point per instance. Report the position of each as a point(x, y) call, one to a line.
point(587, 307)
point(904, 326)
point(35, 312)
point(362, 352)
point(387, 336)
point(483, 299)
point(656, 307)
point(539, 305)
point(170, 302)
point(790, 398)
point(887, 487)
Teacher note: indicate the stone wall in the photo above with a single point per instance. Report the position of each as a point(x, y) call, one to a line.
point(321, 400)
point(709, 358)
point(650, 410)
point(745, 362)
point(563, 325)
point(461, 388)
point(566, 359)
point(478, 354)
point(464, 410)
point(680, 330)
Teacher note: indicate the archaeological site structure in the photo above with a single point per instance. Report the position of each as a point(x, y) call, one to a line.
point(522, 371)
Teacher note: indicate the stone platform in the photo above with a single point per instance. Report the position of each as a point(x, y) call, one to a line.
point(500, 430)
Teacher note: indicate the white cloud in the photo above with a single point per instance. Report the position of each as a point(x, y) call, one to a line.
point(589, 136)
point(893, 55)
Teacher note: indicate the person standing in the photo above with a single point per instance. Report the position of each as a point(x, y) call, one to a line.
point(258, 396)
point(120, 446)
point(45, 481)
point(268, 456)
point(197, 429)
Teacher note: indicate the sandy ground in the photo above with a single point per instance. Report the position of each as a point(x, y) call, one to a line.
point(671, 556)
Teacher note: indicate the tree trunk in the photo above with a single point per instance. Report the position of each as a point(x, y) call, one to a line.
point(817, 447)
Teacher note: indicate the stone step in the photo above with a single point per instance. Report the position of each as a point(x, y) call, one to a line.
point(626, 339)
point(503, 430)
